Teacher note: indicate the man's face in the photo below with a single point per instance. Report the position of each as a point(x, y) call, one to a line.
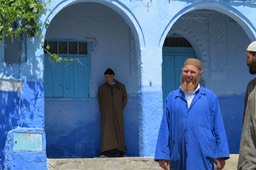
point(109, 78)
point(251, 62)
point(191, 74)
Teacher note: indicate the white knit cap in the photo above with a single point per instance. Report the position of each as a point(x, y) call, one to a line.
point(252, 47)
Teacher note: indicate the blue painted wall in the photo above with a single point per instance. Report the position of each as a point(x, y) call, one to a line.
point(18, 112)
point(73, 128)
point(8, 116)
point(232, 111)
point(19, 155)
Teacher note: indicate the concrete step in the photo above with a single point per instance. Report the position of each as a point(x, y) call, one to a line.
point(125, 163)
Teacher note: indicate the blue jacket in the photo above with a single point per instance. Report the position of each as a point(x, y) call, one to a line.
point(191, 138)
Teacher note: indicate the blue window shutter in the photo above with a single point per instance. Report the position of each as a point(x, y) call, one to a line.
point(48, 77)
point(81, 78)
point(57, 80)
point(68, 78)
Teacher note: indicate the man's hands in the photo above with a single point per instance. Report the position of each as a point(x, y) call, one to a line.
point(164, 164)
point(220, 162)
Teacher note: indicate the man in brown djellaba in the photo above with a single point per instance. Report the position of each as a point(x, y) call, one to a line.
point(112, 101)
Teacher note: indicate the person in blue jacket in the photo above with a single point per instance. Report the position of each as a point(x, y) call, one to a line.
point(192, 134)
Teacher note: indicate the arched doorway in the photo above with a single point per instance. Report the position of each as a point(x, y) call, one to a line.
point(72, 119)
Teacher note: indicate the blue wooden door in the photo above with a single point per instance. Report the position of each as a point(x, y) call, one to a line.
point(173, 59)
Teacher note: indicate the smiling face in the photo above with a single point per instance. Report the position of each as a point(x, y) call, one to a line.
point(190, 78)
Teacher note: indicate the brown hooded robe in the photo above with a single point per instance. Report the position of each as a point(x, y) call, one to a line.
point(112, 101)
point(247, 153)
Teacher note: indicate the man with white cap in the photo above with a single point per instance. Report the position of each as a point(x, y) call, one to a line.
point(192, 134)
point(247, 153)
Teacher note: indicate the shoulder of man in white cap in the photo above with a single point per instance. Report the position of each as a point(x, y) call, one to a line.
point(252, 47)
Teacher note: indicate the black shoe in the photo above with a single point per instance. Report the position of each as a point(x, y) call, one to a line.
point(122, 154)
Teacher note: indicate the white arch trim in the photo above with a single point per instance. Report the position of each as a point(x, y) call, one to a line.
point(118, 7)
point(233, 13)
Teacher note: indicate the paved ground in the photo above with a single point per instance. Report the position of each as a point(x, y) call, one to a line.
point(127, 163)
point(231, 163)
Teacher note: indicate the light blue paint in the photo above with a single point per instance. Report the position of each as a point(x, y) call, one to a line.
point(151, 115)
point(27, 142)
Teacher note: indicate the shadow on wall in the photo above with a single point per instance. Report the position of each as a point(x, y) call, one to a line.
point(19, 109)
point(9, 117)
